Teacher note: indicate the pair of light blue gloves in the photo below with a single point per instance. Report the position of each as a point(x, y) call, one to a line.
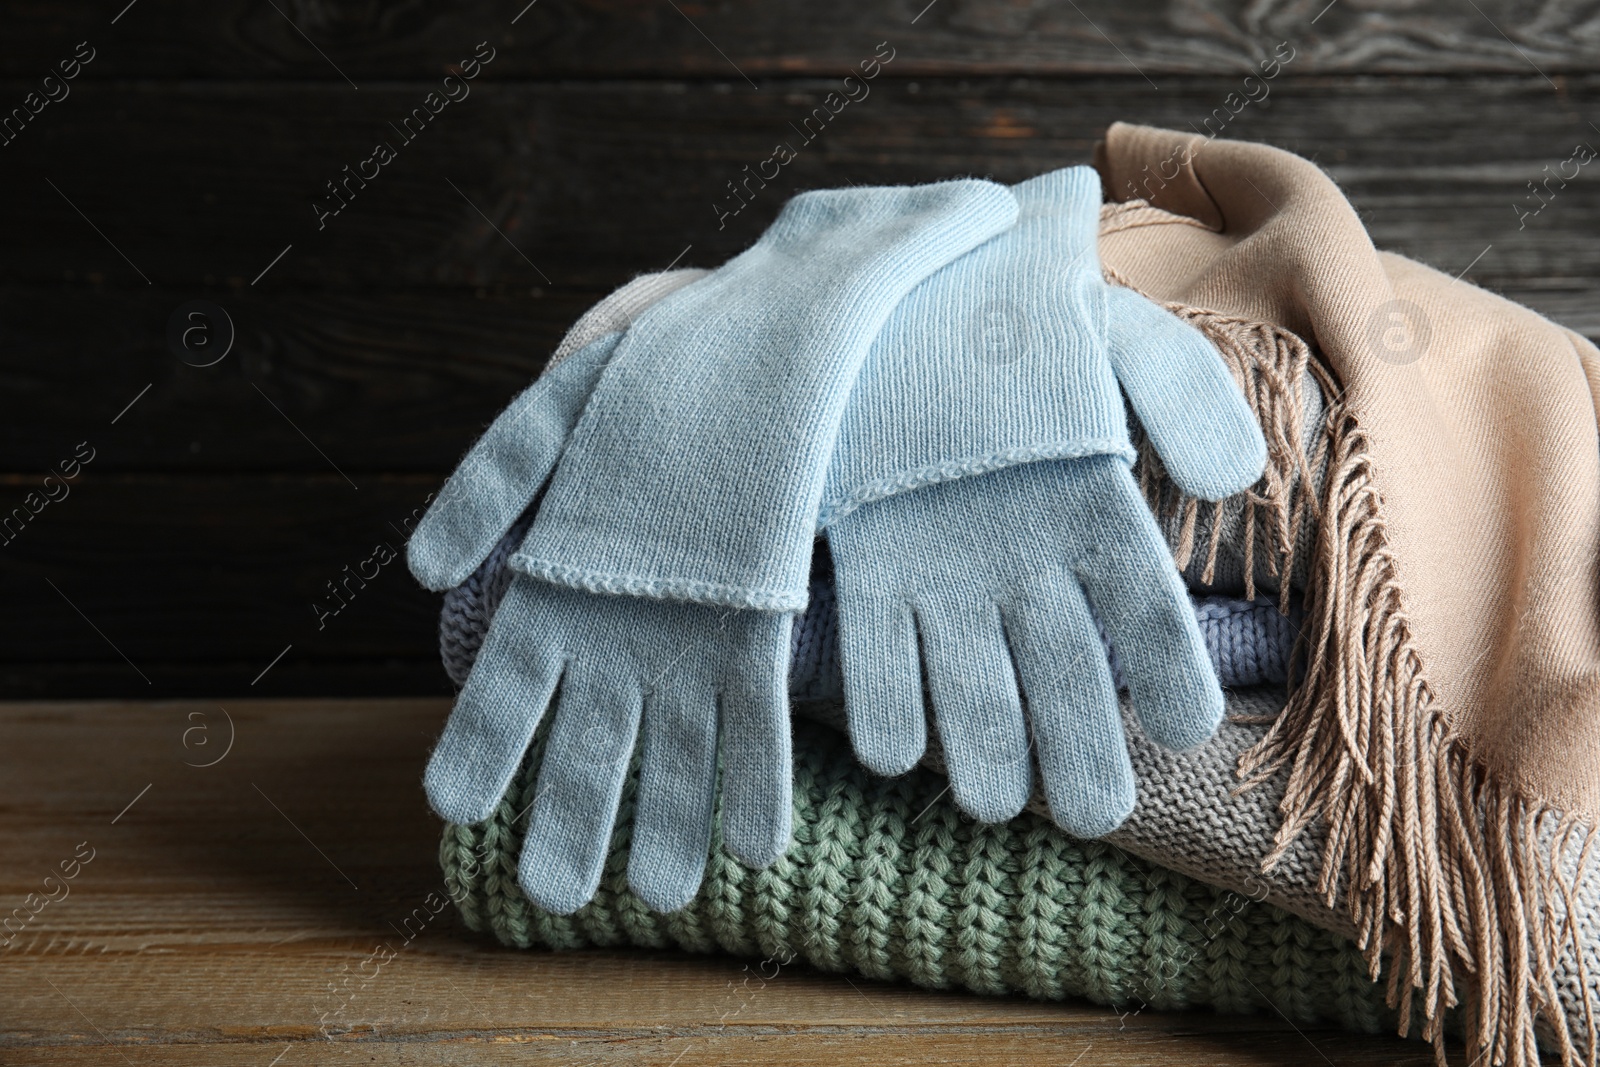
point(929, 374)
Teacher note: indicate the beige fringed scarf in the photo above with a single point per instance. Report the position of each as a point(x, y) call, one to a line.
point(1445, 727)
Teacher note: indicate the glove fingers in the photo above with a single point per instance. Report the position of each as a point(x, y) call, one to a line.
point(495, 715)
point(502, 473)
point(976, 706)
point(677, 792)
point(1072, 703)
point(1187, 401)
point(1132, 583)
point(757, 764)
point(580, 784)
point(882, 681)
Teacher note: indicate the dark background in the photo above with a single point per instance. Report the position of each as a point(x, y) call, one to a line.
point(189, 152)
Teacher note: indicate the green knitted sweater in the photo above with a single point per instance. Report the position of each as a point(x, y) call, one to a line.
point(887, 879)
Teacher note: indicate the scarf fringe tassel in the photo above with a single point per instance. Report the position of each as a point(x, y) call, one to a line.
point(1468, 887)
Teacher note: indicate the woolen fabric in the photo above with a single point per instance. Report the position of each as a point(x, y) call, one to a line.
point(697, 469)
point(1446, 730)
point(655, 592)
point(979, 505)
point(886, 879)
point(1250, 643)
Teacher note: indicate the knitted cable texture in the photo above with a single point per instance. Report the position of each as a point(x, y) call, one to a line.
point(887, 879)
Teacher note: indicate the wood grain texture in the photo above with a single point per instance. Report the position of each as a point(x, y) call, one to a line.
point(329, 41)
point(381, 381)
point(218, 570)
point(220, 908)
point(579, 186)
point(804, 1046)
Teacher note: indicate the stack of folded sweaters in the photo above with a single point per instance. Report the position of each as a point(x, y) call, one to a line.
point(910, 594)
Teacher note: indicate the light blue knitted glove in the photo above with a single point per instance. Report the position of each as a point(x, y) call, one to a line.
point(1005, 365)
point(673, 543)
point(507, 467)
point(618, 661)
point(697, 470)
point(504, 470)
point(1250, 642)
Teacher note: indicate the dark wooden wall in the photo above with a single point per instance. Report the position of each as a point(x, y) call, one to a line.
point(188, 154)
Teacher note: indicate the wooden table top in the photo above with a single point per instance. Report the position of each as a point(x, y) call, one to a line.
point(212, 912)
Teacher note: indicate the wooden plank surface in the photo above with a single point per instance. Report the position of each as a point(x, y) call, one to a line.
point(597, 144)
point(308, 40)
point(578, 186)
point(382, 381)
point(181, 553)
point(219, 907)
